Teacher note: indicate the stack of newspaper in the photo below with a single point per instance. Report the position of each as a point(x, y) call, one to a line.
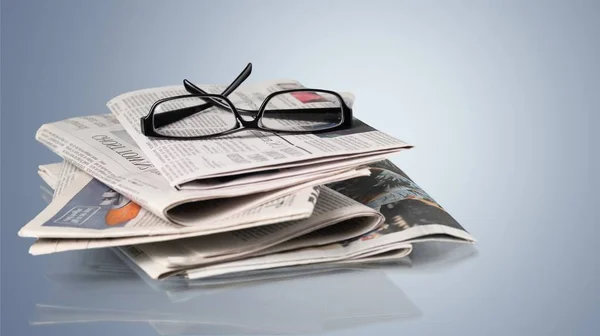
point(238, 203)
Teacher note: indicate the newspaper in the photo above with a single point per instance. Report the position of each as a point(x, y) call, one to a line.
point(86, 208)
point(50, 172)
point(87, 214)
point(411, 216)
point(99, 146)
point(336, 218)
point(331, 208)
point(250, 156)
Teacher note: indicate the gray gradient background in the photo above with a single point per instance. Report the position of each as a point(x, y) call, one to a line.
point(500, 99)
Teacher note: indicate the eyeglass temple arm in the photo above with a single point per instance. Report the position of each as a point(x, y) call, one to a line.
point(309, 114)
point(164, 119)
point(193, 89)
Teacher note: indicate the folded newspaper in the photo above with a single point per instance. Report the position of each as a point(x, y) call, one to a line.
point(85, 207)
point(251, 160)
point(99, 146)
point(365, 219)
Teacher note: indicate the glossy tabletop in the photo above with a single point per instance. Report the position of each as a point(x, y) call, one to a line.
point(500, 100)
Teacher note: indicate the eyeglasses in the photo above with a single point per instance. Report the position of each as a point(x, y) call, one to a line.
point(200, 115)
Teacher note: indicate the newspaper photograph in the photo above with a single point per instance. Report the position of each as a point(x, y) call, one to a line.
point(99, 146)
point(200, 163)
point(409, 211)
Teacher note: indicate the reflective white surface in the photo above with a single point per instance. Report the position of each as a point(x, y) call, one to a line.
point(97, 288)
point(317, 301)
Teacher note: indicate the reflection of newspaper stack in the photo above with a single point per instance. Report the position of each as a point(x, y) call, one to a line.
point(307, 302)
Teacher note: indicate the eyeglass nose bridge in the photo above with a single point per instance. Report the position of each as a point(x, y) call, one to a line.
point(254, 123)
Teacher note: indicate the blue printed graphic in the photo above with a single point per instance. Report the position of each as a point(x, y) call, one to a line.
point(96, 206)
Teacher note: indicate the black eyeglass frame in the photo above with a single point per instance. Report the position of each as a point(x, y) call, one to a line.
point(148, 127)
